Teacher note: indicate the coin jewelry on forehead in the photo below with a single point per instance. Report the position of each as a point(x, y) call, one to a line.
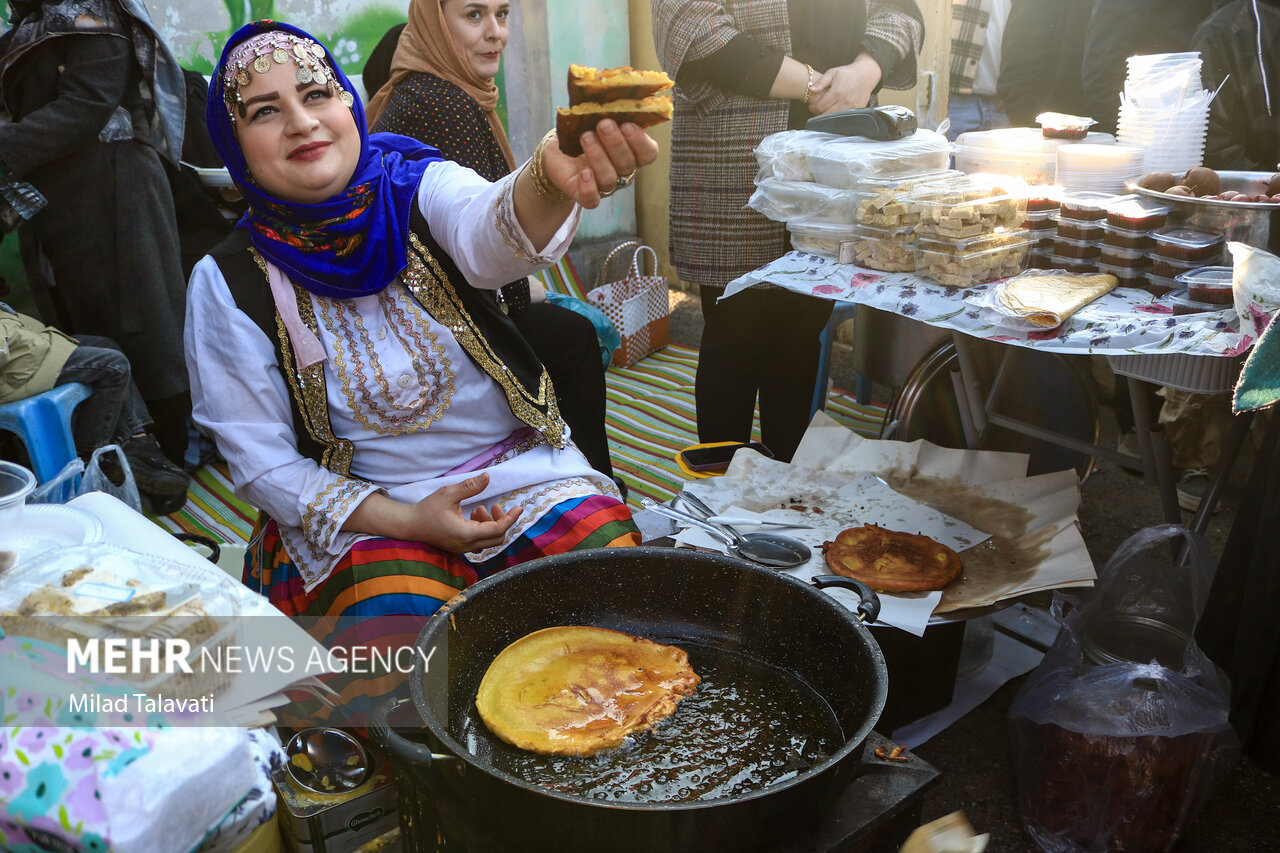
point(262, 65)
point(243, 77)
point(318, 51)
point(279, 56)
point(304, 75)
point(299, 51)
point(318, 77)
point(347, 99)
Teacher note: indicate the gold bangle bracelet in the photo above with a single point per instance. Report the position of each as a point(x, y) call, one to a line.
point(808, 94)
point(541, 184)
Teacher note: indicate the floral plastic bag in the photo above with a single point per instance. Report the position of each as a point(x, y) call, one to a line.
point(1121, 733)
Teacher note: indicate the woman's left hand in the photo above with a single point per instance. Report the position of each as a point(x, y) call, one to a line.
point(611, 155)
point(845, 87)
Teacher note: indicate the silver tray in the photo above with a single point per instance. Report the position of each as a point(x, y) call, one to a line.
point(1248, 222)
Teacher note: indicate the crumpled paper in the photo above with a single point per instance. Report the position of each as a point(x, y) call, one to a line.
point(1035, 542)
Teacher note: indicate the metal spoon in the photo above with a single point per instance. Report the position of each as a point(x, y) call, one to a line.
point(767, 549)
point(327, 761)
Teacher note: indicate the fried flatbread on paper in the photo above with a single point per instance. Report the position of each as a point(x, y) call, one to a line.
point(576, 690)
point(1049, 298)
point(892, 561)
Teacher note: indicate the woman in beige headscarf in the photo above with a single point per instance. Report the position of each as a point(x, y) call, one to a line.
point(441, 91)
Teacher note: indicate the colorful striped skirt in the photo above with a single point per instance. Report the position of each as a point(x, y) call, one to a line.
point(378, 597)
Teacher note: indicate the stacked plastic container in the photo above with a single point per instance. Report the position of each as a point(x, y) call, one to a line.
point(1179, 260)
point(971, 232)
point(1164, 110)
point(1098, 168)
point(1127, 240)
point(1023, 152)
point(1077, 243)
point(848, 198)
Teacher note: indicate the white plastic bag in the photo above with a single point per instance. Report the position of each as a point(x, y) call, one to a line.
point(96, 481)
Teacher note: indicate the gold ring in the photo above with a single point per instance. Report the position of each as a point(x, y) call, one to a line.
point(626, 180)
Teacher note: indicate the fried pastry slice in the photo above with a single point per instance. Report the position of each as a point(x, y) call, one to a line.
point(588, 84)
point(892, 561)
point(571, 123)
point(577, 690)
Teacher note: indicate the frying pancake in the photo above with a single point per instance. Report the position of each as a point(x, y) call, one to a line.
point(892, 561)
point(622, 94)
point(576, 690)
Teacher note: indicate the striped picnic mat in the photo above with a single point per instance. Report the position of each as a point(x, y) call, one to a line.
point(649, 417)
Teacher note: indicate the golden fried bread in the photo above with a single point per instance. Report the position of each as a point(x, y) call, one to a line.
point(576, 690)
point(892, 561)
point(614, 84)
point(622, 94)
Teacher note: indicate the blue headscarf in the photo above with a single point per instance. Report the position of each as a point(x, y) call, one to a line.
point(351, 245)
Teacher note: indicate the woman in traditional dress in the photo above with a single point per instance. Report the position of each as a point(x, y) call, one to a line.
point(745, 69)
point(399, 434)
point(441, 90)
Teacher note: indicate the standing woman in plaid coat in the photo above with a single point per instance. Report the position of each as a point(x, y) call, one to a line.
point(745, 69)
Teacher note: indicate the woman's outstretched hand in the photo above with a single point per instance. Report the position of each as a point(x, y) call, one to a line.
point(610, 157)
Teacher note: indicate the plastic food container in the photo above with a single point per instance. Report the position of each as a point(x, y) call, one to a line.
point(964, 212)
point(99, 592)
point(962, 263)
point(1038, 259)
point(1188, 244)
point(1081, 249)
point(1184, 304)
point(842, 161)
point(1130, 259)
point(1209, 284)
point(822, 238)
point(1034, 167)
point(888, 250)
point(1159, 285)
point(1137, 213)
point(1170, 268)
point(1087, 206)
point(1127, 277)
point(1126, 238)
point(1063, 126)
point(1040, 220)
point(784, 200)
point(1058, 262)
point(1080, 229)
point(892, 201)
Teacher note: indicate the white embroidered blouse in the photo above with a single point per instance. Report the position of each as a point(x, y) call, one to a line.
point(399, 386)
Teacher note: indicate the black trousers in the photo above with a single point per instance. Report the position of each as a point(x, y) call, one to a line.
point(565, 342)
point(763, 342)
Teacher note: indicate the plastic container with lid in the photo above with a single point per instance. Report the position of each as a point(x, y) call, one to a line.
point(1209, 284)
point(885, 249)
point(1038, 259)
point(1130, 259)
point(1018, 151)
point(1170, 268)
point(959, 212)
point(1188, 244)
point(1126, 238)
point(1079, 229)
point(966, 262)
point(822, 238)
point(1184, 304)
point(890, 201)
point(1137, 213)
point(843, 160)
point(1125, 276)
point(1058, 262)
point(1080, 249)
point(784, 201)
point(1159, 285)
point(1040, 220)
point(1063, 126)
point(1086, 206)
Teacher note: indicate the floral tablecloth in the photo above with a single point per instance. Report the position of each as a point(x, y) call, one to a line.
point(1126, 320)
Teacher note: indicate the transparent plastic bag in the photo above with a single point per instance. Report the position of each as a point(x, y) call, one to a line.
point(785, 154)
point(841, 162)
point(95, 480)
point(786, 201)
point(61, 488)
point(1113, 752)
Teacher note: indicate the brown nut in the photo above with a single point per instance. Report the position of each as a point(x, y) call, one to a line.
point(1273, 185)
point(1180, 190)
point(1203, 181)
point(1158, 181)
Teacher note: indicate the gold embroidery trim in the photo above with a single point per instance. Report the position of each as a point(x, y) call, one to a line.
point(504, 216)
point(435, 396)
point(320, 520)
point(537, 501)
point(435, 293)
point(308, 386)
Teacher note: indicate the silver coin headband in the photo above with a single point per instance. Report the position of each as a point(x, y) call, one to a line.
point(278, 47)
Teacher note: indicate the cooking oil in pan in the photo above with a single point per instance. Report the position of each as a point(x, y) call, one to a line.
point(748, 725)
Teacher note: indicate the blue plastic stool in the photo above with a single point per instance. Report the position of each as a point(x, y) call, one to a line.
point(43, 422)
point(841, 312)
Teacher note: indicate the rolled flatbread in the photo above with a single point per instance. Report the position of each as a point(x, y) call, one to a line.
point(1048, 298)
